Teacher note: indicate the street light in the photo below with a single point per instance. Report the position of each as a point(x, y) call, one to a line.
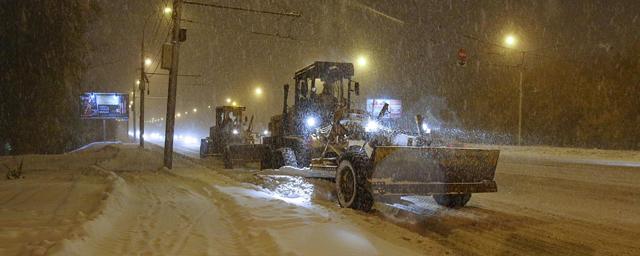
point(147, 61)
point(258, 91)
point(510, 41)
point(167, 10)
point(195, 110)
point(234, 104)
point(362, 61)
point(228, 100)
point(137, 82)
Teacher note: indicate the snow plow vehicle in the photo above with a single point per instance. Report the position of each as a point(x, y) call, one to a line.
point(322, 135)
point(229, 129)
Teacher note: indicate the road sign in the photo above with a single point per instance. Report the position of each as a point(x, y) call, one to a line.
point(462, 57)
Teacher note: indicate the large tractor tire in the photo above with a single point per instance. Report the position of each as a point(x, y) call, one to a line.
point(452, 200)
point(352, 184)
point(284, 157)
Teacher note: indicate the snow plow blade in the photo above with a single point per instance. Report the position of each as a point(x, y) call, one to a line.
point(243, 153)
point(433, 170)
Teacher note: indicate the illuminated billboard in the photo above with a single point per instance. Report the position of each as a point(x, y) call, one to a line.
point(94, 105)
point(374, 106)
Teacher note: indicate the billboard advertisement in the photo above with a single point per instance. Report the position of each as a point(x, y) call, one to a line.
point(95, 105)
point(374, 106)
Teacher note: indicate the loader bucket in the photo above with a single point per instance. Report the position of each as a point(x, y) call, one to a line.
point(433, 170)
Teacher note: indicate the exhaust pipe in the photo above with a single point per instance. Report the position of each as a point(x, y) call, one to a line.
point(419, 122)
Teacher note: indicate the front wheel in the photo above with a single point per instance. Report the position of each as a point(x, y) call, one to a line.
point(452, 200)
point(352, 185)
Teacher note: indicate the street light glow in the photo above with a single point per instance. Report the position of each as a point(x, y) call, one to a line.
point(510, 40)
point(234, 104)
point(138, 82)
point(228, 100)
point(195, 110)
point(178, 115)
point(147, 62)
point(167, 10)
point(362, 61)
point(258, 91)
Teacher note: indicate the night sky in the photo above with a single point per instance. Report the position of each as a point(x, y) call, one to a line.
point(410, 46)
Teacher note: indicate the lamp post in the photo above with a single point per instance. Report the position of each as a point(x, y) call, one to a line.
point(143, 79)
point(141, 84)
point(510, 42)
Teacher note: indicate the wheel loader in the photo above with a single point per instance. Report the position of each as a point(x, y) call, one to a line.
point(322, 133)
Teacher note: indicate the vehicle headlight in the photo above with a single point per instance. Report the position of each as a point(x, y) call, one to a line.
point(311, 122)
point(426, 128)
point(235, 132)
point(372, 126)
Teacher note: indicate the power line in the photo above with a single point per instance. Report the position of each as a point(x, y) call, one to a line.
point(290, 14)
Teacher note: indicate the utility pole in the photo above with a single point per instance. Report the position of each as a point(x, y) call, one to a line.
point(133, 111)
point(173, 85)
point(142, 87)
point(520, 99)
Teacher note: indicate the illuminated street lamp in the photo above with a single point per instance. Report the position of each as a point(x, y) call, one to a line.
point(167, 10)
point(362, 61)
point(147, 61)
point(228, 100)
point(510, 41)
point(258, 91)
point(137, 82)
point(178, 115)
point(195, 110)
point(234, 104)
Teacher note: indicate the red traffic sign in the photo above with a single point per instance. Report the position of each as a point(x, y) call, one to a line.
point(462, 54)
point(462, 57)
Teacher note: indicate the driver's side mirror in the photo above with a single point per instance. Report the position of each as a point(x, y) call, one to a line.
point(356, 88)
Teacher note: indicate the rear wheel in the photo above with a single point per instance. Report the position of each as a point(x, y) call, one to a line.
point(352, 185)
point(452, 200)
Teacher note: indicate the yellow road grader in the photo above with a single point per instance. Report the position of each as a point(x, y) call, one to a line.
point(322, 133)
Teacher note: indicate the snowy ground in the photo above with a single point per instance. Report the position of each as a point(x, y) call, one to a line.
point(115, 199)
point(111, 199)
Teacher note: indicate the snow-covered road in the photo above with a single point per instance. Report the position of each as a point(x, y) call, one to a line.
point(115, 199)
point(550, 201)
